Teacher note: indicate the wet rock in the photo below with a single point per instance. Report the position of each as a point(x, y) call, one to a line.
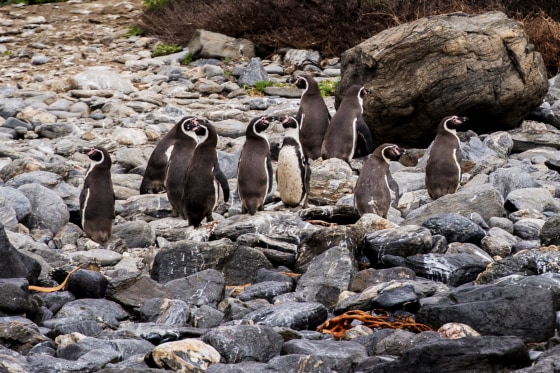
point(455, 228)
point(293, 315)
point(476, 305)
point(402, 241)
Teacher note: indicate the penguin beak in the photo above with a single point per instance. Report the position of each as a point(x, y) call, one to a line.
point(87, 151)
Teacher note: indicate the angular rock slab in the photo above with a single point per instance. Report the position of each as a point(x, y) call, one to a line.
point(451, 269)
point(481, 66)
point(337, 355)
point(470, 354)
point(240, 343)
point(525, 312)
point(483, 199)
point(293, 315)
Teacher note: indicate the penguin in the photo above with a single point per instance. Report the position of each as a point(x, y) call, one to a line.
point(348, 134)
point(443, 167)
point(254, 170)
point(372, 193)
point(313, 116)
point(97, 201)
point(180, 155)
point(292, 170)
point(201, 193)
point(153, 180)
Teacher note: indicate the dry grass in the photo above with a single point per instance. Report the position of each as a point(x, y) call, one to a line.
point(332, 26)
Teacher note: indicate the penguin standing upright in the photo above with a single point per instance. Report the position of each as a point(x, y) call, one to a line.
point(313, 116)
point(443, 168)
point(97, 201)
point(153, 180)
point(254, 170)
point(348, 134)
point(372, 193)
point(179, 159)
point(200, 192)
point(292, 170)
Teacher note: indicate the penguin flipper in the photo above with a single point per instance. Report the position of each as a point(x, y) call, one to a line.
point(222, 180)
point(364, 144)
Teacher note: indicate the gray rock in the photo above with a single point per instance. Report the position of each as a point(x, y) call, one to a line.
point(165, 311)
point(538, 199)
point(550, 231)
point(401, 241)
point(101, 310)
point(339, 356)
point(396, 48)
point(498, 242)
point(475, 306)
point(206, 44)
point(241, 343)
point(296, 316)
point(135, 233)
point(202, 288)
point(253, 73)
point(483, 199)
point(9, 107)
point(102, 77)
point(48, 210)
point(501, 142)
point(528, 229)
point(508, 179)
point(455, 228)
point(327, 276)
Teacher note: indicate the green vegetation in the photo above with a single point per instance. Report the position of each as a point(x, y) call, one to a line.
point(7, 53)
point(327, 87)
point(162, 49)
point(134, 31)
point(154, 4)
point(187, 59)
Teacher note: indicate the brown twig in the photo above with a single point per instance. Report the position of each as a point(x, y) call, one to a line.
point(56, 288)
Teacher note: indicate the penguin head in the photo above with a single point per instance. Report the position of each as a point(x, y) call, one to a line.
point(99, 156)
point(257, 126)
point(290, 122)
point(390, 152)
point(188, 126)
point(363, 92)
point(301, 81)
point(451, 123)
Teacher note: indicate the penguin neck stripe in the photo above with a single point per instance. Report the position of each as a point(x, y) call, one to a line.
point(95, 163)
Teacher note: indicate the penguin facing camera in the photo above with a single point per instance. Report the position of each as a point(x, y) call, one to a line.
point(254, 170)
point(292, 172)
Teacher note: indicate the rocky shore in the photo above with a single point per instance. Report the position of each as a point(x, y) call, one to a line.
point(468, 282)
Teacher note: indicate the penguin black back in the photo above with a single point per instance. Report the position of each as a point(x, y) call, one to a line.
point(97, 201)
point(313, 116)
point(372, 193)
point(153, 180)
point(348, 134)
point(179, 159)
point(254, 170)
point(292, 171)
point(199, 197)
point(443, 168)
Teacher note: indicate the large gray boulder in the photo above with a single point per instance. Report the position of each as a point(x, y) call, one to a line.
point(481, 66)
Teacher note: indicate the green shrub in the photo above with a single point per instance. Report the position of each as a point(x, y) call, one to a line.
point(187, 59)
point(162, 49)
point(327, 87)
point(134, 31)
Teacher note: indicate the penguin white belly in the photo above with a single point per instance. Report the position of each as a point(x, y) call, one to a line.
point(290, 185)
point(84, 208)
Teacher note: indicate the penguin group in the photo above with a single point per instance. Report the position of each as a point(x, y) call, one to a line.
point(184, 164)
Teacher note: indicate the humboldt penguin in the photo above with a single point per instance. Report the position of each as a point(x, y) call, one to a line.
point(292, 170)
point(97, 201)
point(443, 167)
point(313, 116)
point(372, 193)
point(201, 193)
point(254, 170)
point(180, 155)
point(348, 134)
point(153, 180)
